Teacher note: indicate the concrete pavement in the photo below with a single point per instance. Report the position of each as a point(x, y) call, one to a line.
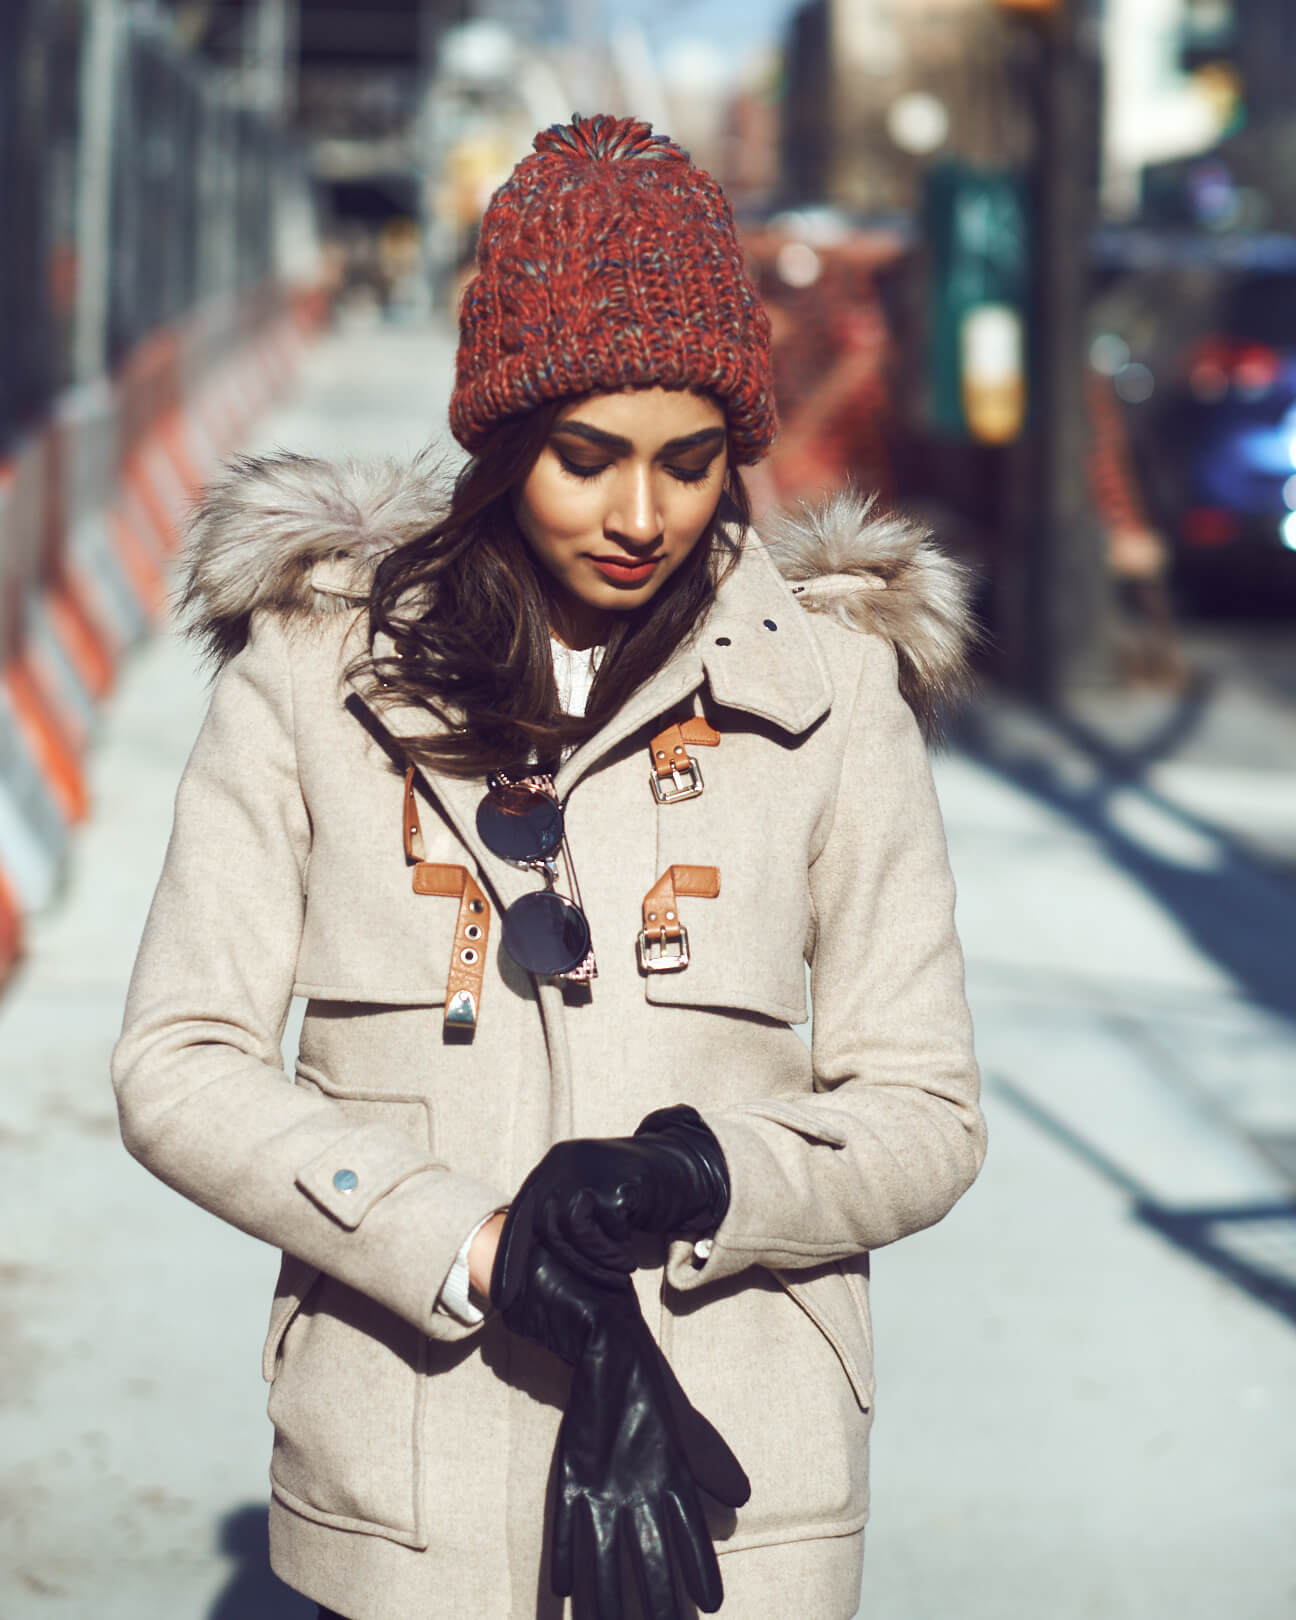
point(1087, 1374)
point(133, 1469)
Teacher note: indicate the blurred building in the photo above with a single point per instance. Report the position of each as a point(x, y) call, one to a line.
point(876, 88)
point(345, 75)
point(1187, 79)
point(1253, 57)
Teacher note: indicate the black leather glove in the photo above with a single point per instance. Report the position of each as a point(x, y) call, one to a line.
point(632, 1451)
point(587, 1197)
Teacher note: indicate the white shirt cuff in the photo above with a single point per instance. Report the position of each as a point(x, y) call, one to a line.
point(455, 1298)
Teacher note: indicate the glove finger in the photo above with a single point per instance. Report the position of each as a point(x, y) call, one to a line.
point(607, 1563)
point(705, 1450)
point(693, 1552)
point(590, 1599)
point(560, 1546)
point(650, 1562)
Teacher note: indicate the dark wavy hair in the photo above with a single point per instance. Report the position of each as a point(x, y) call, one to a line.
point(466, 608)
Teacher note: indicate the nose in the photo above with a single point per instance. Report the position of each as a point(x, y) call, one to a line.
point(633, 517)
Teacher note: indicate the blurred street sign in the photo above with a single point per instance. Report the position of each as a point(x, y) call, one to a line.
point(978, 236)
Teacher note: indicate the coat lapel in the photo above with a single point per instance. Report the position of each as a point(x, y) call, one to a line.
point(754, 651)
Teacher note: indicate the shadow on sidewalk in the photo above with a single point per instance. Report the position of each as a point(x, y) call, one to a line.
point(254, 1591)
point(1235, 912)
point(1252, 1246)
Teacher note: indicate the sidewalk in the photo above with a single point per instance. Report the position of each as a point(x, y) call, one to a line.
point(1160, 792)
point(1087, 1374)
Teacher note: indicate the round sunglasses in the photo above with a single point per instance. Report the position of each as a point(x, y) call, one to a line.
point(543, 932)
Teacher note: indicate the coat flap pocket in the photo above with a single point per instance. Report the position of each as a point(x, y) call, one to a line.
point(296, 1279)
point(367, 936)
point(826, 1298)
point(815, 1122)
point(349, 1178)
point(735, 959)
point(713, 978)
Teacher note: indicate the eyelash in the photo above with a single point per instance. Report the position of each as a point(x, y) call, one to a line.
point(681, 475)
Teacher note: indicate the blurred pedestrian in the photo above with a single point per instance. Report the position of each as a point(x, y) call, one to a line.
point(575, 1227)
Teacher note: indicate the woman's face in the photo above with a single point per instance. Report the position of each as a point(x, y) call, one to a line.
point(623, 490)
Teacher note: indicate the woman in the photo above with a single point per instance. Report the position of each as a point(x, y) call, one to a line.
point(596, 1006)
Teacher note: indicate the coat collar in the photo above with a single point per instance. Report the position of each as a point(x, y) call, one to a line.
point(299, 538)
point(758, 650)
point(755, 652)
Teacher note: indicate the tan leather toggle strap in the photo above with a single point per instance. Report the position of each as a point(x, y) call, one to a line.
point(663, 941)
point(411, 828)
point(472, 929)
point(676, 774)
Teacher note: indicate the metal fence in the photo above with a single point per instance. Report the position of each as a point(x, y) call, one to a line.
point(134, 190)
point(153, 296)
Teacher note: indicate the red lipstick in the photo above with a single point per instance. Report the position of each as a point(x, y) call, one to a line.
point(624, 570)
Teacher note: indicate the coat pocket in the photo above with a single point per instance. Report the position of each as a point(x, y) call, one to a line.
point(373, 940)
point(837, 1304)
point(296, 1279)
point(781, 1366)
point(346, 1401)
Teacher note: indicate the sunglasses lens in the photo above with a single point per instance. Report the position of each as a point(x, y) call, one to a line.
point(544, 933)
point(520, 824)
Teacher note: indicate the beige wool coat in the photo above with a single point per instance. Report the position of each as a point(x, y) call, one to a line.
point(411, 1453)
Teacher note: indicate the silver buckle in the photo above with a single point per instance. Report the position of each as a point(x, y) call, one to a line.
point(654, 957)
point(687, 783)
point(461, 1011)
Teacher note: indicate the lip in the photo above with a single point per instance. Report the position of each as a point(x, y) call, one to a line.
point(625, 570)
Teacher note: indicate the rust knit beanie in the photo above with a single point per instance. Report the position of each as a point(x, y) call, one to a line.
point(607, 260)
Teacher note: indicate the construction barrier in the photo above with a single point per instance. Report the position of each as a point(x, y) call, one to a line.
point(92, 507)
point(158, 232)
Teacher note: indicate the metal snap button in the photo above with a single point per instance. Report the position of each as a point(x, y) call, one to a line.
point(723, 641)
point(346, 1180)
point(770, 625)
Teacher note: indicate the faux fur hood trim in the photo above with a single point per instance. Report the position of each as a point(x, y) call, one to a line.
point(882, 571)
point(262, 529)
point(301, 536)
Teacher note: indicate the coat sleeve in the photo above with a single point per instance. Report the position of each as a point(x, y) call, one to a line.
point(892, 1134)
point(203, 1100)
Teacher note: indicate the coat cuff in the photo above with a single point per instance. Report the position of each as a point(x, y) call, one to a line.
point(359, 1169)
point(743, 1238)
point(404, 1219)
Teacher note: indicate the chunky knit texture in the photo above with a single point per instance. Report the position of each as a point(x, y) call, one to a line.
point(608, 260)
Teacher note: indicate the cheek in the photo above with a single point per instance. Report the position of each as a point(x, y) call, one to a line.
point(689, 514)
point(551, 514)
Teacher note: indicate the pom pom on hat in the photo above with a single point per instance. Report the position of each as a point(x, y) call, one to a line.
point(608, 260)
point(601, 138)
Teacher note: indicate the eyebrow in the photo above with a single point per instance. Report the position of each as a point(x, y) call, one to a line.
point(615, 445)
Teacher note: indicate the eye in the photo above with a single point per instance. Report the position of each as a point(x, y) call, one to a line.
point(690, 475)
point(580, 469)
